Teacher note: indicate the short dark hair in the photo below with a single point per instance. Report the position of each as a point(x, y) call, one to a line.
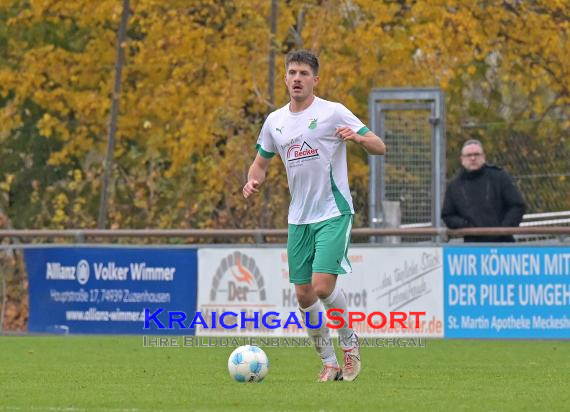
point(470, 142)
point(305, 57)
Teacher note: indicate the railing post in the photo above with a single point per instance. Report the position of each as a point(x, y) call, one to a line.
point(259, 238)
point(79, 236)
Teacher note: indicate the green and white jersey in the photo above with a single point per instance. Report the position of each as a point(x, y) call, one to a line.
point(314, 157)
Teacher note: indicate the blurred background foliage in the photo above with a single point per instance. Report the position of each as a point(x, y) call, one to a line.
point(196, 89)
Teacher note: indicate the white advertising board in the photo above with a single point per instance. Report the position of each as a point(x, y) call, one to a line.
point(257, 280)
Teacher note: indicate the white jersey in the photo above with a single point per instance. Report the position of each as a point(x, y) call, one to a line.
point(314, 157)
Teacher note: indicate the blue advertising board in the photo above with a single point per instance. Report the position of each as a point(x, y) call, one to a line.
point(507, 292)
point(107, 289)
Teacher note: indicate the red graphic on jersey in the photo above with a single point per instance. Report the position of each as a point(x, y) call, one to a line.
point(291, 149)
point(304, 151)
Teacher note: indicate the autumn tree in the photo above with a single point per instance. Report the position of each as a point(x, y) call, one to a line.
point(195, 94)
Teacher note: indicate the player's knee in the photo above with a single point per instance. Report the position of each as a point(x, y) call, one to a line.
point(305, 296)
point(322, 290)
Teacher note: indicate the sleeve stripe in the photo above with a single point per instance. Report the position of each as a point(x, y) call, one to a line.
point(267, 155)
point(363, 130)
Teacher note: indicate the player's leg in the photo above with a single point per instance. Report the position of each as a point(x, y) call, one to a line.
point(312, 311)
point(332, 238)
point(333, 297)
point(348, 339)
point(300, 252)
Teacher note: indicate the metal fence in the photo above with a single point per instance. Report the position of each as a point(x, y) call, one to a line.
point(408, 164)
point(412, 173)
point(415, 170)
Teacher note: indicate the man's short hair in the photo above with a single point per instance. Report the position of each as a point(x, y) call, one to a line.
point(470, 142)
point(303, 57)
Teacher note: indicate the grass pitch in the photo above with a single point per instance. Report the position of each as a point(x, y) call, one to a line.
point(75, 373)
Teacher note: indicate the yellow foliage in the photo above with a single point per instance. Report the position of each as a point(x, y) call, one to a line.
point(194, 86)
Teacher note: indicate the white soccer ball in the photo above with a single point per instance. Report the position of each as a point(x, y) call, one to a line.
point(248, 364)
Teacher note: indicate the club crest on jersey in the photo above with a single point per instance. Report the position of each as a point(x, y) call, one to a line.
point(313, 123)
point(298, 152)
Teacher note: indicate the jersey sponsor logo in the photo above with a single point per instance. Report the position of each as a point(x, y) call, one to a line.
point(291, 142)
point(298, 152)
point(280, 129)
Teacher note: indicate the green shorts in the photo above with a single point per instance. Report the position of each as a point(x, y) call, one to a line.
point(319, 247)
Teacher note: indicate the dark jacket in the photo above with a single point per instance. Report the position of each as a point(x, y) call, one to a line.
point(486, 197)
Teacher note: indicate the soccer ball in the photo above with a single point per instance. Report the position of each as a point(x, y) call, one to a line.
point(248, 364)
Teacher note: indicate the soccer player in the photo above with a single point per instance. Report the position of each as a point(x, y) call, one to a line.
point(310, 136)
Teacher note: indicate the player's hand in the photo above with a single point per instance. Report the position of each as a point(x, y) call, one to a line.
point(347, 134)
point(251, 187)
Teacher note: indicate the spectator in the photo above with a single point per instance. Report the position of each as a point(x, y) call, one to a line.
point(481, 195)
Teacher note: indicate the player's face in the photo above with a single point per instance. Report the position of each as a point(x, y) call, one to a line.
point(472, 157)
point(300, 81)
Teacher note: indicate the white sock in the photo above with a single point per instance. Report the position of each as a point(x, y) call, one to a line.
point(321, 337)
point(337, 300)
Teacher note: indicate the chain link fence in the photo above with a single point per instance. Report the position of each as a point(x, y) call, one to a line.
point(411, 174)
point(535, 152)
point(408, 163)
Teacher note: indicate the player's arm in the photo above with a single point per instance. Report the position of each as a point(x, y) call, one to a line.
point(256, 175)
point(369, 141)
